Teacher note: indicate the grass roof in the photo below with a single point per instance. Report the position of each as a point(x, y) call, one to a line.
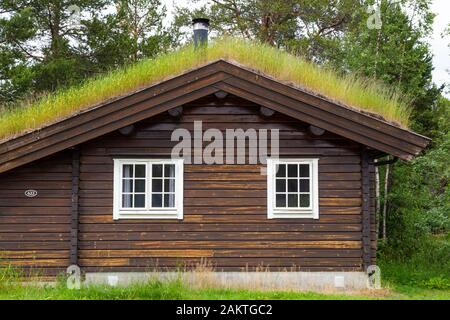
point(366, 95)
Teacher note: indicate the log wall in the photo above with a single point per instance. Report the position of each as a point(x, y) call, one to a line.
point(225, 215)
point(35, 232)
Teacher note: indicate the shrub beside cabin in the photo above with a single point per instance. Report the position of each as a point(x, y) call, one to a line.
point(100, 189)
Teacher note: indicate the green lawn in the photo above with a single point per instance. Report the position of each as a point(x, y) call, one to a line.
point(156, 290)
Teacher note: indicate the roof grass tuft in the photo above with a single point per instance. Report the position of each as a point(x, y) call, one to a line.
point(365, 95)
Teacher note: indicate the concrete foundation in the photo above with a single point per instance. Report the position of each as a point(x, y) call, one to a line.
point(302, 281)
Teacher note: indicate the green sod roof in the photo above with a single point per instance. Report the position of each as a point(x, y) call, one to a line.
point(364, 95)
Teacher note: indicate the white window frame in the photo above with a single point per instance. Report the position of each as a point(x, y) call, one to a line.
point(148, 212)
point(313, 210)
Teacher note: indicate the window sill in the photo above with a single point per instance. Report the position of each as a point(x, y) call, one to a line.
point(293, 215)
point(149, 215)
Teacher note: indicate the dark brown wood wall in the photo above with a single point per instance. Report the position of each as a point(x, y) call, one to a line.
point(225, 215)
point(35, 232)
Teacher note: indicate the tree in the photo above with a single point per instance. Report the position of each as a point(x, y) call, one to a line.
point(419, 195)
point(134, 31)
point(397, 54)
point(48, 44)
point(306, 27)
point(37, 44)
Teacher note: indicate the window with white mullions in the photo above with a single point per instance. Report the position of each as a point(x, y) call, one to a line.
point(292, 188)
point(163, 185)
point(148, 188)
point(134, 185)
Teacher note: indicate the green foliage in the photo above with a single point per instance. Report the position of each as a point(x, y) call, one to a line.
point(133, 32)
point(397, 54)
point(427, 267)
point(310, 28)
point(37, 41)
point(420, 193)
point(50, 44)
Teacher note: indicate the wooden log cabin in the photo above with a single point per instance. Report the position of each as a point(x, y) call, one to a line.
point(101, 190)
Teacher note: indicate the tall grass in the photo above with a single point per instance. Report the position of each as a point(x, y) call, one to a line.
point(428, 267)
point(9, 276)
point(15, 285)
point(349, 90)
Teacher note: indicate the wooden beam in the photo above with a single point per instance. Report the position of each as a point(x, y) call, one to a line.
point(266, 112)
point(128, 130)
point(365, 194)
point(112, 106)
point(303, 113)
point(316, 130)
point(317, 102)
point(74, 210)
point(217, 76)
point(175, 112)
point(355, 131)
point(221, 94)
point(109, 122)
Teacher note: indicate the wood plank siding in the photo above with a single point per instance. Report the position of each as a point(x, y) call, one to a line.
point(225, 213)
point(35, 232)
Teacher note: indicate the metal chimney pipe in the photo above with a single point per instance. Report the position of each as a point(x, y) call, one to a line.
point(201, 29)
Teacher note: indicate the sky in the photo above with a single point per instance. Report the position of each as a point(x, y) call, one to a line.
point(439, 46)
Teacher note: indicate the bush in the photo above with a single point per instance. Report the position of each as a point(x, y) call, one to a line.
point(420, 192)
point(440, 283)
point(428, 267)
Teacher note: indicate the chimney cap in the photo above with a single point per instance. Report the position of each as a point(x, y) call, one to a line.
point(204, 21)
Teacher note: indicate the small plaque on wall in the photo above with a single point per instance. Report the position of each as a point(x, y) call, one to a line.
point(31, 193)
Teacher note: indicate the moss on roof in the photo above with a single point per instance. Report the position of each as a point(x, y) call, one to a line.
point(365, 95)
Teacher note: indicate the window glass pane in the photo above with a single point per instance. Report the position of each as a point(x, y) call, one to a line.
point(304, 185)
point(139, 200)
point(127, 201)
point(169, 170)
point(280, 185)
point(281, 200)
point(136, 193)
point(127, 170)
point(139, 185)
point(292, 200)
point(292, 185)
point(169, 185)
point(139, 170)
point(304, 200)
point(304, 170)
point(169, 200)
point(281, 170)
point(157, 185)
point(292, 170)
point(157, 170)
point(156, 200)
point(127, 185)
